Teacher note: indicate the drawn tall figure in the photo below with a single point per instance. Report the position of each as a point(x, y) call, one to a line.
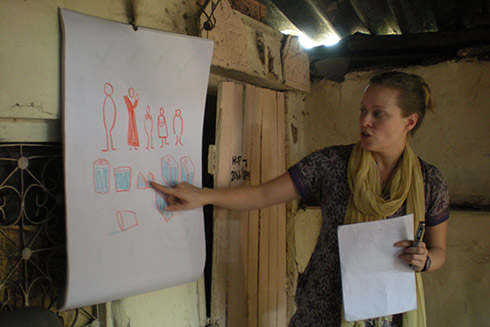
point(149, 128)
point(133, 140)
point(162, 127)
point(178, 127)
point(109, 115)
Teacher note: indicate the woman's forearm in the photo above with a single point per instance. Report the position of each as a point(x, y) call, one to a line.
point(185, 196)
point(278, 190)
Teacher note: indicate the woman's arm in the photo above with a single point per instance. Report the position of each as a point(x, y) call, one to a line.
point(185, 196)
point(434, 246)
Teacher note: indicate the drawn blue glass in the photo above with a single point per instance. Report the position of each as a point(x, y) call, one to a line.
point(101, 179)
point(123, 178)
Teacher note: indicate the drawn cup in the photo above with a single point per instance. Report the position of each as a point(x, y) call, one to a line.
point(122, 178)
point(126, 219)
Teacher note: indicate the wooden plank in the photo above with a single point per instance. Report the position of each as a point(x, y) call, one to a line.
point(226, 272)
point(281, 226)
point(273, 218)
point(236, 288)
point(264, 222)
point(220, 235)
point(268, 226)
point(252, 153)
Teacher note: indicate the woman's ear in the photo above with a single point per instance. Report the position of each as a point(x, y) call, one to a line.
point(412, 121)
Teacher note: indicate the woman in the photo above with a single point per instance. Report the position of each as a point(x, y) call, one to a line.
point(379, 177)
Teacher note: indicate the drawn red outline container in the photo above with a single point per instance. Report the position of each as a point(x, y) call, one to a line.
point(161, 206)
point(125, 216)
point(187, 170)
point(104, 164)
point(125, 170)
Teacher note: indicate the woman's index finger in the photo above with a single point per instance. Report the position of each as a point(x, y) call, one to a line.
point(161, 188)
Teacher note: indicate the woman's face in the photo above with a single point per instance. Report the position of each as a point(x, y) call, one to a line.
point(383, 129)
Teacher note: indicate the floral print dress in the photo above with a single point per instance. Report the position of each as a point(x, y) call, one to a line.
point(323, 175)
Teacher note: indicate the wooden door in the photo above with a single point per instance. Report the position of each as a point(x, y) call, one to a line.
point(249, 256)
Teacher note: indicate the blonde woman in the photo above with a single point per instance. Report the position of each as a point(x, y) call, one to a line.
point(379, 177)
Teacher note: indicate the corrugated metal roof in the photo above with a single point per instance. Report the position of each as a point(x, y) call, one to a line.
point(370, 29)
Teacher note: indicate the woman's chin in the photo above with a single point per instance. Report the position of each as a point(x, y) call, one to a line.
point(366, 145)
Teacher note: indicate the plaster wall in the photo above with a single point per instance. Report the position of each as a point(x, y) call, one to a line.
point(456, 140)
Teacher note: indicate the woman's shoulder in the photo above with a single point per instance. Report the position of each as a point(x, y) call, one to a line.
point(432, 175)
point(340, 152)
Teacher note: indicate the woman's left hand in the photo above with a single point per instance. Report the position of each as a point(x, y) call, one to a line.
point(413, 256)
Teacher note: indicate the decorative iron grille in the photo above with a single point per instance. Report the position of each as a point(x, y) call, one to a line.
point(32, 232)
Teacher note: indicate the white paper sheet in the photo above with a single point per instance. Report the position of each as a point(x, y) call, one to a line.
point(375, 282)
point(133, 112)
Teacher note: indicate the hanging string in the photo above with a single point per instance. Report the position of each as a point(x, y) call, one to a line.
point(210, 22)
point(131, 14)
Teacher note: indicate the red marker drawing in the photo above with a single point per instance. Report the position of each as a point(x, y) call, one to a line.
point(126, 219)
point(133, 140)
point(178, 127)
point(149, 128)
point(162, 127)
point(109, 115)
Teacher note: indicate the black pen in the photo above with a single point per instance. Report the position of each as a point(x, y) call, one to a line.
point(418, 236)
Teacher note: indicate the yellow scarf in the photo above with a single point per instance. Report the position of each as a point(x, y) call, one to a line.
point(367, 203)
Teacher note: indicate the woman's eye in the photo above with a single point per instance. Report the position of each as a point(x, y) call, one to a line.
point(363, 111)
point(378, 114)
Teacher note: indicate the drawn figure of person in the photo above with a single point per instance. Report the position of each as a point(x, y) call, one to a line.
point(178, 127)
point(162, 127)
point(149, 128)
point(133, 140)
point(109, 115)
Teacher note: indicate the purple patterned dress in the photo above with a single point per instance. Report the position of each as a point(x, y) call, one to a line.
point(323, 174)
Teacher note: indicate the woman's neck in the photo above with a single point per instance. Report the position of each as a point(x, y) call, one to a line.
point(386, 164)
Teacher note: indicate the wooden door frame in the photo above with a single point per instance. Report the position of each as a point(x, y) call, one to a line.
point(249, 275)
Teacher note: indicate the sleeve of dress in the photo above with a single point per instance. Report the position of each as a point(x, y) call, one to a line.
point(307, 174)
point(436, 197)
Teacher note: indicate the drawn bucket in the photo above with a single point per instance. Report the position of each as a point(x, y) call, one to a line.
point(122, 177)
point(101, 176)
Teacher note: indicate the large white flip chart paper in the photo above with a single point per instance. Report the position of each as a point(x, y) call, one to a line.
point(133, 112)
point(375, 282)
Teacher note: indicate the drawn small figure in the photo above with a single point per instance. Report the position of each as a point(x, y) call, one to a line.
point(178, 127)
point(162, 127)
point(109, 115)
point(149, 128)
point(133, 140)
